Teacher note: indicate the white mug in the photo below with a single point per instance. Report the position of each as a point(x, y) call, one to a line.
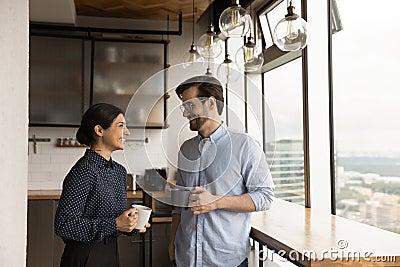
point(143, 213)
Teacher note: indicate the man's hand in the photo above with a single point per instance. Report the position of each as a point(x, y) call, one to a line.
point(203, 201)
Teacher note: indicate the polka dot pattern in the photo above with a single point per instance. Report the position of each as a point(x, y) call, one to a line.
point(93, 196)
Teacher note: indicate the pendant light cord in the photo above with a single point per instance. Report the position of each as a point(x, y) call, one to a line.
point(193, 22)
point(211, 11)
point(251, 16)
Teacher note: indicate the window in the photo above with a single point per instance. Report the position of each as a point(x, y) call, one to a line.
point(283, 94)
point(366, 114)
point(283, 98)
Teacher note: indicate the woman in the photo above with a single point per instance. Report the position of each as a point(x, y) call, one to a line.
point(92, 210)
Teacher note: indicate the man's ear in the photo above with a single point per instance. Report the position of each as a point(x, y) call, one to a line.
point(98, 130)
point(213, 101)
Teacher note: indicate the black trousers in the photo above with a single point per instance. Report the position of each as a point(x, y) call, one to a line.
point(102, 253)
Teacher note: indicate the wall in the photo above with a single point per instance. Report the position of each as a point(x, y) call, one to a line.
point(48, 167)
point(14, 121)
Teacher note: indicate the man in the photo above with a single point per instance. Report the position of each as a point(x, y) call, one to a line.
point(228, 176)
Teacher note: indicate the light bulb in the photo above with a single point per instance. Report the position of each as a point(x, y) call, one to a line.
point(227, 71)
point(235, 15)
point(209, 45)
point(235, 21)
point(291, 33)
point(192, 56)
point(248, 57)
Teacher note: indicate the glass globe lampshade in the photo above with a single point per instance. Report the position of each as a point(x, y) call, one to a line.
point(209, 45)
point(227, 72)
point(249, 58)
point(291, 32)
point(235, 21)
point(191, 56)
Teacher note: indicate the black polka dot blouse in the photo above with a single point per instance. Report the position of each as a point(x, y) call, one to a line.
point(93, 196)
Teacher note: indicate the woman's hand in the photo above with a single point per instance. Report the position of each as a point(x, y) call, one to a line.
point(144, 230)
point(127, 221)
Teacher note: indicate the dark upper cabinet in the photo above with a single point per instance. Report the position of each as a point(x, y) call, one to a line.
point(67, 75)
point(126, 74)
point(56, 80)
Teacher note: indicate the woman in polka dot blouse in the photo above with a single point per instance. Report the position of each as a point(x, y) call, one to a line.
point(92, 210)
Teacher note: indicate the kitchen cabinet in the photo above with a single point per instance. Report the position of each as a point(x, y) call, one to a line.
point(160, 240)
point(133, 253)
point(136, 250)
point(44, 247)
point(71, 71)
point(56, 81)
point(119, 70)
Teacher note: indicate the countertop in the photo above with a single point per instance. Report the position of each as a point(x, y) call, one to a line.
point(55, 194)
point(313, 238)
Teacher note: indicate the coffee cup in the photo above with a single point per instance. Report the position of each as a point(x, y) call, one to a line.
point(143, 214)
point(180, 197)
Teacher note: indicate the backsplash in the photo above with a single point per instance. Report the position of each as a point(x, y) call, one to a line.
point(50, 164)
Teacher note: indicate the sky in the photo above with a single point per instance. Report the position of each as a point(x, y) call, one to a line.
point(366, 77)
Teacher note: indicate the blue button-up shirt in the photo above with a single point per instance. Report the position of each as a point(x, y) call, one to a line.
point(227, 163)
point(94, 194)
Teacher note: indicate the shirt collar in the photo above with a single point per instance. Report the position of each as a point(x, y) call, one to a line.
point(216, 135)
point(98, 159)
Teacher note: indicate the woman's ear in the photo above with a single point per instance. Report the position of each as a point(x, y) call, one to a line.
point(98, 130)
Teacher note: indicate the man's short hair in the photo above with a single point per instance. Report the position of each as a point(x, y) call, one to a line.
point(207, 86)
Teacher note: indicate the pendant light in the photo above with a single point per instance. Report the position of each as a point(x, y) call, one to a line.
point(208, 71)
point(209, 45)
point(291, 33)
point(192, 56)
point(249, 58)
point(235, 21)
point(227, 71)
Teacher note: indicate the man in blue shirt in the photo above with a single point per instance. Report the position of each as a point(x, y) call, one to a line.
point(228, 176)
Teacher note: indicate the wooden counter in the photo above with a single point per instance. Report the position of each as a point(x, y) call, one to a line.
point(43, 194)
point(55, 194)
point(311, 238)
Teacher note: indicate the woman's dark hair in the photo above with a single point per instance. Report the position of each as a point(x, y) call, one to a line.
point(102, 114)
point(207, 86)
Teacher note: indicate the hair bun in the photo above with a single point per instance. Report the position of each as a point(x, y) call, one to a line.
point(82, 137)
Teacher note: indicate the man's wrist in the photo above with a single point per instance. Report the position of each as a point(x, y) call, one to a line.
point(220, 203)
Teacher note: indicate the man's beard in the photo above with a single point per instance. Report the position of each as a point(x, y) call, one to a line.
point(197, 123)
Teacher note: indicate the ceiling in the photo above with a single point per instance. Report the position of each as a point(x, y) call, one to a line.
point(66, 11)
point(141, 9)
